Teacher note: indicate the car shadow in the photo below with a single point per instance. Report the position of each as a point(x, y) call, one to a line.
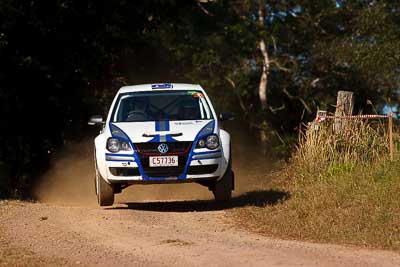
point(260, 198)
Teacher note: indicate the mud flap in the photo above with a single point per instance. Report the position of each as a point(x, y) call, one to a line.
point(210, 184)
point(233, 180)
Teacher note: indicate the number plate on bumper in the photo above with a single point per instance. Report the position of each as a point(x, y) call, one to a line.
point(163, 161)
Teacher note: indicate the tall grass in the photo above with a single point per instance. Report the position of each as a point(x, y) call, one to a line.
point(343, 189)
point(358, 142)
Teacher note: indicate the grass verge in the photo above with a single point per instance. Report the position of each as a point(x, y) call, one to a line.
point(342, 190)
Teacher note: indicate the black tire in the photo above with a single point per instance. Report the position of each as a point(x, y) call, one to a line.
point(104, 191)
point(223, 188)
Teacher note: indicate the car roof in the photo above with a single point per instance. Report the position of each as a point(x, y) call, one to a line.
point(159, 86)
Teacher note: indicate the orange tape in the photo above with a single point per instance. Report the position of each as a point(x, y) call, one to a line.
point(322, 118)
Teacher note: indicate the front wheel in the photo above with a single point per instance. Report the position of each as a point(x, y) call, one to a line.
point(104, 191)
point(223, 188)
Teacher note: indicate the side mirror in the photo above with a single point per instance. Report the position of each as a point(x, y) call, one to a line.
point(96, 120)
point(225, 116)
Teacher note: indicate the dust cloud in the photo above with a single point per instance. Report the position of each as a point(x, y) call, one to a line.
point(70, 179)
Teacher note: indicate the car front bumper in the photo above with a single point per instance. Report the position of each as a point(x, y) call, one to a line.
point(198, 170)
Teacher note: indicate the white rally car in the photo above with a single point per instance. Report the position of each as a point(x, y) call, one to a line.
point(162, 133)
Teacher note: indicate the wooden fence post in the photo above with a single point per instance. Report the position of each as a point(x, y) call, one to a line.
point(344, 107)
point(391, 146)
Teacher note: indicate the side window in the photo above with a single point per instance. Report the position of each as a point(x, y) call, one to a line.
point(124, 105)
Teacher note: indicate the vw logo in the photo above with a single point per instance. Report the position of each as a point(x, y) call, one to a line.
point(163, 148)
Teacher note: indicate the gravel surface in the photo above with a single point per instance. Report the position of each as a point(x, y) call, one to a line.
point(158, 234)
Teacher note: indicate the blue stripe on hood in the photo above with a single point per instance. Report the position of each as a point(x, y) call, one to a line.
point(162, 126)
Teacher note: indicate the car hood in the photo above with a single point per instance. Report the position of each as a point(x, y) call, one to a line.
point(162, 131)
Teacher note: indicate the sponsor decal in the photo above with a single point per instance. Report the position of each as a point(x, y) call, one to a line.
point(162, 86)
point(184, 122)
point(195, 94)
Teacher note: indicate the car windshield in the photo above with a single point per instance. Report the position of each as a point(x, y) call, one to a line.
point(161, 105)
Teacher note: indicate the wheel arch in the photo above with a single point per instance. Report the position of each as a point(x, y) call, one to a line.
point(226, 148)
point(99, 155)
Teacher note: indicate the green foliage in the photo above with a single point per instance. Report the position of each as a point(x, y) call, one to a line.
point(315, 49)
point(336, 169)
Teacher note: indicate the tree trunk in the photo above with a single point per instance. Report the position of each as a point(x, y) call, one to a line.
point(263, 86)
point(344, 107)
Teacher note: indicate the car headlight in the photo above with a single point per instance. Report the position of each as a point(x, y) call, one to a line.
point(211, 142)
point(115, 145)
point(201, 143)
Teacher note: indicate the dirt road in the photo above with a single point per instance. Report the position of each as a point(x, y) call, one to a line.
point(161, 234)
point(154, 226)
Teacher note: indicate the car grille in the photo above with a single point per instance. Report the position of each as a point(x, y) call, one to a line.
point(145, 150)
point(124, 171)
point(203, 169)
